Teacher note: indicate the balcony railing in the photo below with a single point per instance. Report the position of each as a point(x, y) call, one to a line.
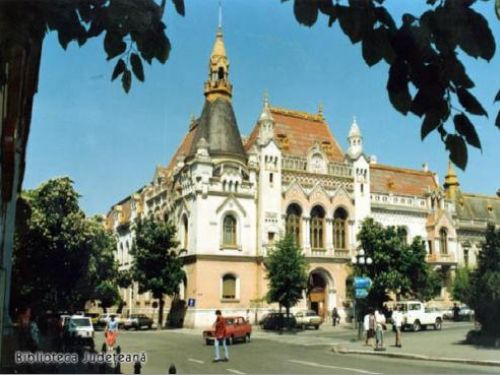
point(342, 253)
point(440, 258)
point(296, 163)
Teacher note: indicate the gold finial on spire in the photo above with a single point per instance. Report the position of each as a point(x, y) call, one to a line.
point(266, 98)
point(218, 84)
point(320, 110)
point(354, 119)
point(451, 183)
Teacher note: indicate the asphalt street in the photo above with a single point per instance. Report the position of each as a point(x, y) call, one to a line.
point(270, 353)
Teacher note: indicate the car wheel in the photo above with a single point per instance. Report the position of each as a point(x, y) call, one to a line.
point(316, 327)
point(303, 326)
point(150, 326)
point(247, 338)
point(438, 324)
point(207, 341)
point(416, 326)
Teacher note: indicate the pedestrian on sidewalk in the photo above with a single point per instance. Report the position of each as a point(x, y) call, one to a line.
point(397, 321)
point(369, 327)
point(379, 330)
point(335, 317)
point(220, 337)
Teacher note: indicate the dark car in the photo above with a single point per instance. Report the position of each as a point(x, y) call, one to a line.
point(275, 321)
point(137, 321)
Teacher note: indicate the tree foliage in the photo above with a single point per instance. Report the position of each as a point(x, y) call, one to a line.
point(484, 295)
point(426, 73)
point(462, 284)
point(133, 29)
point(156, 266)
point(287, 273)
point(397, 267)
point(61, 259)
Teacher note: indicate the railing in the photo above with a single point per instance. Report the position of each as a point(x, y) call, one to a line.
point(319, 253)
point(296, 163)
point(440, 258)
point(342, 253)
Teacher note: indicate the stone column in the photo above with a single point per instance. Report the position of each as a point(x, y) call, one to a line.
point(329, 235)
point(306, 237)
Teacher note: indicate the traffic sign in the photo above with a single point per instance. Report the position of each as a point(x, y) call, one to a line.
point(361, 293)
point(191, 302)
point(362, 283)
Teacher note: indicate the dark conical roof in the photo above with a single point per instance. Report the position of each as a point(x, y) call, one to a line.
point(217, 124)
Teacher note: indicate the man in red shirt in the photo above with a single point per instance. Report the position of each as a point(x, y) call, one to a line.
point(220, 337)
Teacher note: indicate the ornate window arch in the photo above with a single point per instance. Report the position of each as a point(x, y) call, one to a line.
point(229, 230)
point(294, 221)
point(340, 229)
point(443, 240)
point(317, 227)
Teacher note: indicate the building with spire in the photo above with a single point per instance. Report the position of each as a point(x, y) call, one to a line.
point(232, 199)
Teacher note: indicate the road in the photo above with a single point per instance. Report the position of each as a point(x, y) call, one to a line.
point(270, 353)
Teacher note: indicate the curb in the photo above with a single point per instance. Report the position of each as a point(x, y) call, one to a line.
point(341, 350)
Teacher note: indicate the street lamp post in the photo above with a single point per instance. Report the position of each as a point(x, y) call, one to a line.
point(362, 261)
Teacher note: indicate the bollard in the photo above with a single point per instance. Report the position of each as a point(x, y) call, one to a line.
point(137, 367)
point(118, 365)
point(172, 369)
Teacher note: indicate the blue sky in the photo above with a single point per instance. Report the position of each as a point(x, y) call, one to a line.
point(109, 143)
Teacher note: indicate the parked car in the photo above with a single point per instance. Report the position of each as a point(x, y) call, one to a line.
point(465, 313)
point(274, 321)
point(416, 316)
point(94, 317)
point(237, 328)
point(78, 329)
point(103, 320)
point(137, 321)
point(308, 318)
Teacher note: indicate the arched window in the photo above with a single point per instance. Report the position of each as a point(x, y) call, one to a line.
point(229, 235)
point(228, 287)
point(317, 224)
point(443, 240)
point(340, 229)
point(293, 219)
point(220, 73)
point(186, 232)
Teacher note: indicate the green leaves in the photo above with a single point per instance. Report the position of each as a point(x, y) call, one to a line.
point(114, 44)
point(474, 36)
point(455, 144)
point(179, 7)
point(397, 86)
point(465, 128)
point(136, 62)
point(119, 69)
point(126, 80)
point(430, 123)
point(470, 103)
point(306, 12)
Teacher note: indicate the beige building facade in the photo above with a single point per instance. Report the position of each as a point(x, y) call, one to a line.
point(232, 198)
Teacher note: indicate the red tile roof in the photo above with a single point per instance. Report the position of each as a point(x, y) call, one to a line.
point(296, 132)
point(387, 179)
point(183, 148)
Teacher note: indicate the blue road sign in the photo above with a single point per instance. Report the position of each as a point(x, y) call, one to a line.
point(361, 293)
point(191, 302)
point(362, 283)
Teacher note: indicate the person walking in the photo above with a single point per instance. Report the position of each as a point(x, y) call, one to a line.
point(111, 332)
point(220, 337)
point(335, 317)
point(379, 330)
point(369, 327)
point(397, 321)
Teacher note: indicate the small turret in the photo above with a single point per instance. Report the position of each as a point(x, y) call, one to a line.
point(355, 141)
point(266, 121)
point(451, 183)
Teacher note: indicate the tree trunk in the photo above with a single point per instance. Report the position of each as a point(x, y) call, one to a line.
point(160, 312)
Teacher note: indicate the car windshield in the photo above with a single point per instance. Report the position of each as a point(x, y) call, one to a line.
point(229, 321)
point(81, 322)
point(310, 313)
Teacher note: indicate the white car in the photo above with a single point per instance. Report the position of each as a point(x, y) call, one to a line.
point(308, 318)
point(416, 316)
point(78, 329)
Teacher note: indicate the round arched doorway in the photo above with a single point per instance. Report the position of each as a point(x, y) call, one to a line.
point(320, 293)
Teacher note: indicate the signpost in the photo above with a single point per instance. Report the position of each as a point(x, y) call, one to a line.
point(191, 302)
point(361, 287)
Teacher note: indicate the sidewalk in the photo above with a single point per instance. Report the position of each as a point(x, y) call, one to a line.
point(445, 345)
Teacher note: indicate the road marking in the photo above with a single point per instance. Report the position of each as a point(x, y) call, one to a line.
point(195, 360)
point(235, 371)
point(314, 364)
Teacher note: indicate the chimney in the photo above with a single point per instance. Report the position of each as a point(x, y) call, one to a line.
point(373, 159)
point(425, 167)
point(498, 193)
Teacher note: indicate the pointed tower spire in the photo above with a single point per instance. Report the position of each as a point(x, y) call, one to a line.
point(451, 183)
point(218, 84)
point(355, 140)
point(266, 120)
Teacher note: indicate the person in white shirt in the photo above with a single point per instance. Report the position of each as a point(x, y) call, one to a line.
point(397, 321)
point(369, 327)
point(379, 330)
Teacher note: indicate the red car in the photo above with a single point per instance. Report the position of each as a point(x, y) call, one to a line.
point(237, 328)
